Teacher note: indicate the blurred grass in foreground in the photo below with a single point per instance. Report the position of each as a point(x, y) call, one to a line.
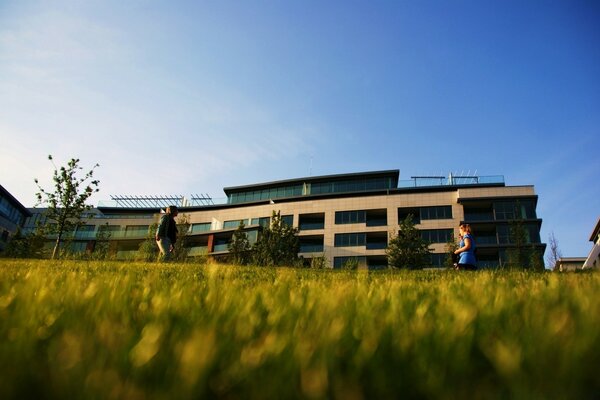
point(72, 329)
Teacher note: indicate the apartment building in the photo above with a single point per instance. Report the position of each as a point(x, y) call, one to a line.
point(12, 216)
point(345, 216)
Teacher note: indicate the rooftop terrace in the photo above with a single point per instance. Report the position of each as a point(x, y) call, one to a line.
point(310, 186)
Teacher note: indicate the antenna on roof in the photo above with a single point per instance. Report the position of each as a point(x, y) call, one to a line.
point(310, 168)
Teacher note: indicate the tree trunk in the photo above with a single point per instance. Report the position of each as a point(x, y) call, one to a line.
point(56, 247)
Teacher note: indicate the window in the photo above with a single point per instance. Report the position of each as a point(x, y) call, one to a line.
point(406, 211)
point(437, 235)
point(233, 224)
point(520, 209)
point(377, 240)
point(436, 212)
point(263, 221)
point(505, 236)
point(202, 227)
point(311, 244)
point(86, 232)
point(377, 217)
point(438, 259)
point(350, 239)
point(136, 230)
point(311, 221)
point(350, 217)
point(288, 220)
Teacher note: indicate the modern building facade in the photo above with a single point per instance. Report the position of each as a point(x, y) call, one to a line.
point(593, 259)
point(342, 217)
point(12, 216)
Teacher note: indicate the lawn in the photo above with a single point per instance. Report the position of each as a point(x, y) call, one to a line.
point(76, 329)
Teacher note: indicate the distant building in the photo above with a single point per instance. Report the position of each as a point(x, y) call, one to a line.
point(593, 259)
point(12, 216)
point(342, 217)
point(564, 264)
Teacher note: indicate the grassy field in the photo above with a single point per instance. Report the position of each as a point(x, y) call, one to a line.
point(133, 330)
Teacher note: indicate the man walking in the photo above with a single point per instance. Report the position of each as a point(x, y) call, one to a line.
point(166, 234)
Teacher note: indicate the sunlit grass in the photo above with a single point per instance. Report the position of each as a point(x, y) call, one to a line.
point(134, 330)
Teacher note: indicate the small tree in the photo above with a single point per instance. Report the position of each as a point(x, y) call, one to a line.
point(277, 244)
point(148, 250)
point(239, 247)
point(408, 249)
point(518, 256)
point(536, 260)
point(67, 202)
point(319, 262)
point(555, 253)
point(450, 248)
point(25, 245)
point(180, 250)
point(102, 246)
point(351, 264)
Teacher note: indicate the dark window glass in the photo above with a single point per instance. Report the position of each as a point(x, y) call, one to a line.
point(437, 235)
point(438, 259)
point(436, 212)
point(350, 239)
point(404, 212)
point(311, 221)
point(350, 217)
point(234, 223)
point(288, 220)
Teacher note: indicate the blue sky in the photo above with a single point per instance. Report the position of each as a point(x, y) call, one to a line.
point(190, 97)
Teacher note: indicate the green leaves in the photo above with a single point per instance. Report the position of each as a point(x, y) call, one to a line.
point(407, 249)
point(67, 201)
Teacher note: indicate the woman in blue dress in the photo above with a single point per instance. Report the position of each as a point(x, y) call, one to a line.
point(466, 249)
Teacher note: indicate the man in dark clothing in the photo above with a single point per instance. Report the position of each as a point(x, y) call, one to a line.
point(166, 234)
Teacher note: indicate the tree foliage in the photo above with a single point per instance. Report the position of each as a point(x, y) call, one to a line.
point(555, 254)
point(522, 254)
point(181, 249)
point(67, 201)
point(148, 249)
point(239, 247)
point(518, 255)
point(408, 249)
point(277, 245)
point(25, 245)
point(451, 247)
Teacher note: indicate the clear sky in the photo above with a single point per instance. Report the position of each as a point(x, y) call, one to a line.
point(186, 97)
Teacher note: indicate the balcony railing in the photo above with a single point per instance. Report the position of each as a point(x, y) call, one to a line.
point(433, 181)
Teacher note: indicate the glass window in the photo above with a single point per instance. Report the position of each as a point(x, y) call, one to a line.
point(350, 239)
point(234, 223)
point(437, 235)
point(202, 227)
point(136, 230)
point(263, 221)
point(436, 212)
point(288, 220)
point(311, 221)
point(350, 217)
point(405, 212)
point(438, 259)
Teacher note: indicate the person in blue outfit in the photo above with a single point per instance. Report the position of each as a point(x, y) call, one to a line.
point(166, 234)
point(466, 249)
